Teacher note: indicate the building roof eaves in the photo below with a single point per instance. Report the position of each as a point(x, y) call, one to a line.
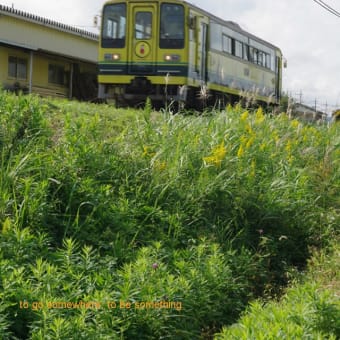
point(47, 22)
point(11, 43)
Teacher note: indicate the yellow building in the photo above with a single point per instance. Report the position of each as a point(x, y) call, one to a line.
point(38, 55)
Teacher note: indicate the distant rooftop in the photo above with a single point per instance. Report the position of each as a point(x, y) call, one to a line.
point(46, 22)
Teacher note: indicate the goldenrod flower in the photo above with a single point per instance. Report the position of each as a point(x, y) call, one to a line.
point(240, 151)
point(243, 139)
point(147, 152)
point(244, 116)
point(259, 116)
point(263, 146)
point(158, 165)
point(219, 151)
point(249, 129)
point(289, 147)
point(250, 142)
point(211, 160)
point(275, 136)
point(218, 154)
point(294, 123)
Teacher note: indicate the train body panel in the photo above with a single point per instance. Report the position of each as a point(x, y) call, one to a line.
point(171, 50)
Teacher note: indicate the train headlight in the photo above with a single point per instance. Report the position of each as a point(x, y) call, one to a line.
point(109, 56)
point(172, 57)
point(115, 56)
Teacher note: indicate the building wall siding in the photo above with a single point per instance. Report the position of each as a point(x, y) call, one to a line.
point(36, 36)
point(72, 54)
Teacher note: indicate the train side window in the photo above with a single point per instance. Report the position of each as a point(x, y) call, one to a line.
point(143, 24)
point(260, 59)
point(238, 49)
point(227, 44)
point(245, 52)
point(253, 54)
point(264, 59)
point(268, 60)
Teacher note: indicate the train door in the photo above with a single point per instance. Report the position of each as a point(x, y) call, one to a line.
point(202, 47)
point(142, 46)
point(278, 78)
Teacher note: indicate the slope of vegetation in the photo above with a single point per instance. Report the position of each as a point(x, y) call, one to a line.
point(310, 309)
point(135, 224)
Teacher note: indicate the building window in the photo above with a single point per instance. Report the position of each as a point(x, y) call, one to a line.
point(17, 68)
point(56, 74)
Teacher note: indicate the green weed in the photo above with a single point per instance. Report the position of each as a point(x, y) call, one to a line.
point(102, 204)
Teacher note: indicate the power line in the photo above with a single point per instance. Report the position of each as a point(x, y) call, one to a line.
point(331, 8)
point(327, 7)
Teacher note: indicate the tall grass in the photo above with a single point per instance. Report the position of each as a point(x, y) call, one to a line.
point(100, 204)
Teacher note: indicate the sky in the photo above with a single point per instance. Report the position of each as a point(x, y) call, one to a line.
point(306, 33)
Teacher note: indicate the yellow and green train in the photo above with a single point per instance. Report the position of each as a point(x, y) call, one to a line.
point(173, 50)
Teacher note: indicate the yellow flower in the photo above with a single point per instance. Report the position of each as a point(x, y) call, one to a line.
point(219, 151)
point(263, 146)
point(289, 147)
point(249, 129)
point(147, 152)
point(158, 165)
point(294, 123)
point(259, 116)
point(217, 155)
point(212, 160)
point(244, 116)
point(240, 151)
point(275, 137)
point(250, 142)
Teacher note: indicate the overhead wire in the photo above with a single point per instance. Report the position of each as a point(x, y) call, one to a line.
point(327, 7)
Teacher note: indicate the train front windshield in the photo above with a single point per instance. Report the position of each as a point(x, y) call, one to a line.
point(114, 26)
point(172, 26)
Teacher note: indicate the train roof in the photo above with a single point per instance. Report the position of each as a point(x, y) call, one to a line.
point(231, 24)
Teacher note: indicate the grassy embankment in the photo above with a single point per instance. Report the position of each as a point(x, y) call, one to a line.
point(117, 208)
